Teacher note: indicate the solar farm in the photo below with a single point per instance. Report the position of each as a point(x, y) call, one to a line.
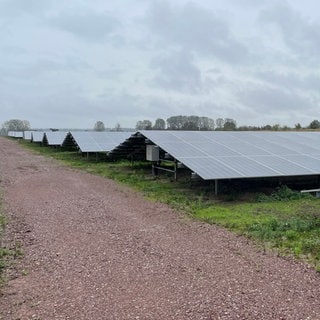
point(261, 184)
point(206, 155)
point(130, 213)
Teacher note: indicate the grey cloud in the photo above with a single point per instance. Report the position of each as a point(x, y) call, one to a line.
point(177, 72)
point(291, 81)
point(69, 108)
point(249, 3)
point(89, 25)
point(119, 104)
point(196, 29)
point(274, 100)
point(164, 107)
point(45, 66)
point(110, 72)
point(299, 34)
point(132, 107)
point(11, 50)
point(13, 8)
point(32, 69)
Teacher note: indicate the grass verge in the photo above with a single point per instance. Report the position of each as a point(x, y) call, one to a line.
point(291, 228)
point(7, 253)
point(284, 221)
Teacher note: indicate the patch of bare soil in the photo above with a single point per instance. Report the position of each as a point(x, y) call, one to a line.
point(94, 249)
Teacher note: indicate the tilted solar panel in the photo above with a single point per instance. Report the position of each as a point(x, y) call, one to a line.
point(250, 154)
point(37, 136)
point(55, 138)
point(94, 141)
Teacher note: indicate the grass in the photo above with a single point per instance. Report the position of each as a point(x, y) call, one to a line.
point(7, 255)
point(285, 221)
point(291, 227)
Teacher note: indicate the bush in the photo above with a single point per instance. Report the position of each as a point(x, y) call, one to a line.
point(282, 193)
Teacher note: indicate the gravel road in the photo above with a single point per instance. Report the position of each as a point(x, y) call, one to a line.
point(94, 249)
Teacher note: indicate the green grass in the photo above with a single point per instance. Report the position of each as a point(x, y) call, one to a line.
point(291, 227)
point(284, 221)
point(7, 254)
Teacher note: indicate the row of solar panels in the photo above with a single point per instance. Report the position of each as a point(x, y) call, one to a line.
point(227, 155)
point(85, 141)
point(15, 134)
point(212, 155)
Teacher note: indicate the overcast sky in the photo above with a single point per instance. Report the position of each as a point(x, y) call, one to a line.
point(68, 64)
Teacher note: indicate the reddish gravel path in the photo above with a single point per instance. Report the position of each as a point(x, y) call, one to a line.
point(94, 249)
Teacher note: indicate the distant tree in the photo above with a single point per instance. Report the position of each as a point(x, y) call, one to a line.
point(144, 125)
point(99, 126)
point(195, 120)
point(15, 125)
point(159, 124)
point(276, 127)
point(139, 125)
point(206, 124)
point(315, 124)
point(267, 127)
point(229, 124)
point(199, 123)
point(249, 128)
point(244, 128)
point(297, 126)
point(219, 124)
point(176, 122)
point(190, 125)
point(117, 127)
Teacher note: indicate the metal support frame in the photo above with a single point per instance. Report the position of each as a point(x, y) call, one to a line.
point(156, 166)
point(315, 191)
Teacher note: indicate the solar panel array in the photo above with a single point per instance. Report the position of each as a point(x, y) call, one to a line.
point(94, 141)
point(15, 134)
point(54, 138)
point(37, 136)
point(27, 135)
point(228, 155)
point(213, 155)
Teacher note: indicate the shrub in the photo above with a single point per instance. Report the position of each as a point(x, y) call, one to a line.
point(282, 193)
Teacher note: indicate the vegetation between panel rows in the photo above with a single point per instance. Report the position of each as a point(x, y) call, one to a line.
point(286, 221)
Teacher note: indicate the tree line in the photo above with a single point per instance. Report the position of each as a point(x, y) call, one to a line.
point(209, 124)
point(188, 123)
point(14, 125)
point(173, 123)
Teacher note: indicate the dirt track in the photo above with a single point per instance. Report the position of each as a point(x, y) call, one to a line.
point(94, 249)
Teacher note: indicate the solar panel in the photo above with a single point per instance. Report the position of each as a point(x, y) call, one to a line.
point(15, 134)
point(94, 141)
point(37, 136)
point(228, 155)
point(54, 138)
point(27, 135)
